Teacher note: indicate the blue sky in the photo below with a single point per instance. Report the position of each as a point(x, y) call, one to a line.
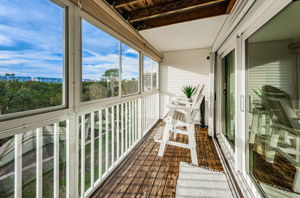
point(31, 43)
point(100, 52)
point(31, 38)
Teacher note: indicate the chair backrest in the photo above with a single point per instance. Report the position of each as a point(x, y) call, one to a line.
point(196, 90)
point(280, 104)
point(197, 94)
point(197, 102)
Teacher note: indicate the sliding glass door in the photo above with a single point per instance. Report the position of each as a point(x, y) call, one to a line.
point(273, 72)
point(228, 65)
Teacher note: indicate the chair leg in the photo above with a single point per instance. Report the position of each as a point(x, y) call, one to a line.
point(192, 144)
point(296, 184)
point(253, 129)
point(273, 142)
point(165, 138)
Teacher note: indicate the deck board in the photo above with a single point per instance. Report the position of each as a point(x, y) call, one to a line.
point(144, 174)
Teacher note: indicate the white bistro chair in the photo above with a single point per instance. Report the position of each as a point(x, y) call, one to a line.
point(182, 116)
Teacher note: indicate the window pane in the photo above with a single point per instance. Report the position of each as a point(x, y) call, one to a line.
point(7, 162)
point(32, 55)
point(130, 70)
point(150, 74)
point(155, 75)
point(147, 73)
point(273, 103)
point(228, 65)
point(100, 63)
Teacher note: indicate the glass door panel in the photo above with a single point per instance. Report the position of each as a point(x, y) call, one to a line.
point(228, 64)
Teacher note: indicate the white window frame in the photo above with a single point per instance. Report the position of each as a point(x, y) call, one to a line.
point(266, 15)
point(260, 13)
point(66, 64)
point(227, 48)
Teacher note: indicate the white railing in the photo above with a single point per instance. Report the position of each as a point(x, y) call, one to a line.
point(70, 155)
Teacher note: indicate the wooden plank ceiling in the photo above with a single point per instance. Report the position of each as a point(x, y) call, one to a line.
point(146, 14)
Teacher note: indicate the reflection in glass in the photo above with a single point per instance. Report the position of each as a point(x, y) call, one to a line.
point(273, 104)
point(7, 162)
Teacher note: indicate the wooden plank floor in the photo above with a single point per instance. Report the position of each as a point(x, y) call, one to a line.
point(144, 174)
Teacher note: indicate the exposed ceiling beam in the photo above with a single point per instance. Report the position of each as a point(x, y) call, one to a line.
point(200, 13)
point(122, 3)
point(230, 6)
point(169, 8)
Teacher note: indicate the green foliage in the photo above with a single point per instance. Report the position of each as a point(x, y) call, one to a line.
point(18, 96)
point(111, 73)
point(188, 91)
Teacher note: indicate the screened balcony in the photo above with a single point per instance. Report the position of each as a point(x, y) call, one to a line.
point(87, 91)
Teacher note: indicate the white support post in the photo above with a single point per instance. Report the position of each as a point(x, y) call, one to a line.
point(82, 187)
point(112, 135)
point(92, 148)
point(106, 139)
point(122, 129)
point(126, 126)
point(100, 143)
point(72, 157)
point(39, 164)
point(18, 166)
point(56, 161)
point(72, 151)
point(118, 131)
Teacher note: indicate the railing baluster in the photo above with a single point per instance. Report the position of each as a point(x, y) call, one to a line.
point(140, 119)
point(18, 166)
point(129, 123)
point(106, 139)
point(92, 148)
point(118, 132)
point(56, 161)
point(126, 126)
point(112, 135)
point(39, 166)
point(100, 143)
point(82, 187)
point(122, 129)
point(136, 119)
point(133, 122)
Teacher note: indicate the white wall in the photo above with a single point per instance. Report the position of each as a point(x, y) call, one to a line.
point(181, 68)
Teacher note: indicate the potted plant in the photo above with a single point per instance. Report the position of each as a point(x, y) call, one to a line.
point(189, 91)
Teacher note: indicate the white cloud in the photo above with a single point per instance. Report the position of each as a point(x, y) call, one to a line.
point(4, 40)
